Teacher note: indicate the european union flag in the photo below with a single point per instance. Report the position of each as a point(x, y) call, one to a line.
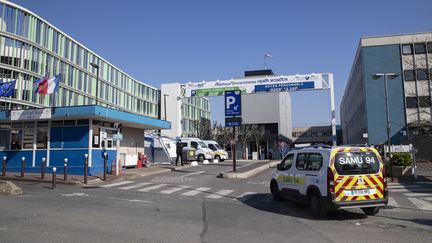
point(7, 89)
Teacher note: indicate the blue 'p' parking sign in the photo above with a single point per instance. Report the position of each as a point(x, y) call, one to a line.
point(233, 103)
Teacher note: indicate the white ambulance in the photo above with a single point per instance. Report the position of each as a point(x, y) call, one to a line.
point(330, 178)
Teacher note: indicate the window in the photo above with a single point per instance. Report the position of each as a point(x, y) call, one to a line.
point(429, 47)
point(42, 135)
point(16, 138)
point(315, 161)
point(28, 136)
point(287, 162)
point(411, 102)
point(424, 101)
point(301, 162)
point(407, 49)
point(194, 145)
point(309, 161)
point(420, 48)
point(4, 142)
point(212, 147)
point(356, 163)
point(422, 74)
point(409, 75)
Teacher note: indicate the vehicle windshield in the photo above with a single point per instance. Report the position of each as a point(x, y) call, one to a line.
point(217, 146)
point(203, 145)
point(356, 163)
point(212, 147)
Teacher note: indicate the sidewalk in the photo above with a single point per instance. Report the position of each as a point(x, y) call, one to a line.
point(78, 180)
point(255, 167)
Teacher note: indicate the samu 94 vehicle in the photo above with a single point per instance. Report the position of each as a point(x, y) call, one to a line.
point(330, 178)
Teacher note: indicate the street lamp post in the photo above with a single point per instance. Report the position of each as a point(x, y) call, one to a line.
point(165, 110)
point(389, 76)
point(97, 80)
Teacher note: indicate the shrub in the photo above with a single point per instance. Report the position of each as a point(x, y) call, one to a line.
point(402, 159)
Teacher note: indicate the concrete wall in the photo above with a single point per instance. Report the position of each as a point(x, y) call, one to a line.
point(353, 108)
point(173, 109)
point(267, 108)
point(285, 117)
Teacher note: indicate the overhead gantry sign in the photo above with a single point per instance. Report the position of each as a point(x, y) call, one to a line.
point(267, 84)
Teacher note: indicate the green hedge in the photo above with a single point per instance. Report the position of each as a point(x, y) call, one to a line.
point(403, 159)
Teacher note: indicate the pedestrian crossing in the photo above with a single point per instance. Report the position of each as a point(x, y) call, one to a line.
point(401, 196)
point(410, 196)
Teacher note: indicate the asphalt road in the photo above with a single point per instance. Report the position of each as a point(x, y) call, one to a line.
point(193, 205)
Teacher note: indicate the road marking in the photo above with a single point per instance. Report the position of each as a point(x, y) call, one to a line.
point(135, 186)
point(150, 188)
point(412, 190)
point(421, 204)
point(196, 191)
point(392, 202)
point(245, 196)
point(190, 174)
point(117, 184)
point(407, 187)
point(257, 183)
point(130, 200)
point(174, 189)
point(417, 194)
point(427, 198)
point(219, 194)
point(76, 194)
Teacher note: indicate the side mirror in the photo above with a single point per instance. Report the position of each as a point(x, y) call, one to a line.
point(279, 167)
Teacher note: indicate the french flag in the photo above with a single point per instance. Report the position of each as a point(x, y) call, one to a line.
point(48, 85)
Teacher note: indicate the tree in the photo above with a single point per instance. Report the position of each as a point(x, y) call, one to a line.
point(245, 135)
point(257, 133)
point(202, 128)
point(221, 134)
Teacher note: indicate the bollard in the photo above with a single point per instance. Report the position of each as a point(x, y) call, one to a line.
point(105, 166)
point(4, 166)
point(65, 169)
point(22, 166)
point(43, 168)
point(54, 170)
point(85, 168)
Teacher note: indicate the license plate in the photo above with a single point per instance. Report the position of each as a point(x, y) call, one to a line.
point(359, 192)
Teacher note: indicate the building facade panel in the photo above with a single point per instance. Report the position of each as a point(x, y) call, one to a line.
point(31, 48)
point(384, 59)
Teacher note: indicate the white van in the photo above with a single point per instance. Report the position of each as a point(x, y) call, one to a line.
point(202, 152)
point(329, 178)
point(220, 153)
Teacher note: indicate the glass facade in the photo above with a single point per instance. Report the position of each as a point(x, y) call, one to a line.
point(31, 48)
point(193, 109)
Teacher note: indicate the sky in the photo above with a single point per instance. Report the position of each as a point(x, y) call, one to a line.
point(161, 41)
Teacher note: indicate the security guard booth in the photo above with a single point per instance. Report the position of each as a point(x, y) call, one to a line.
point(72, 133)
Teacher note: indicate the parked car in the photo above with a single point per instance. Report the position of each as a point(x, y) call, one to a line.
point(202, 152)
point(219, 152)
point(330, 178)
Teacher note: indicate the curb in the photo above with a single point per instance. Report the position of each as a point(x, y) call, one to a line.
point(135, 176)
point(247, 174)
point(59, 181)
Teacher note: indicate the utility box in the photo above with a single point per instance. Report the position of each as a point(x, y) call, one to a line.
point(188, 154)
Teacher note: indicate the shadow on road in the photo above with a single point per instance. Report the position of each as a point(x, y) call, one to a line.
point(264, 202)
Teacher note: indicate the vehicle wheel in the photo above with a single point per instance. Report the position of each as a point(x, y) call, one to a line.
point(371, 210)
point(274, 188)
point(218, 157)
point(201, 158)
point(316, 206)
